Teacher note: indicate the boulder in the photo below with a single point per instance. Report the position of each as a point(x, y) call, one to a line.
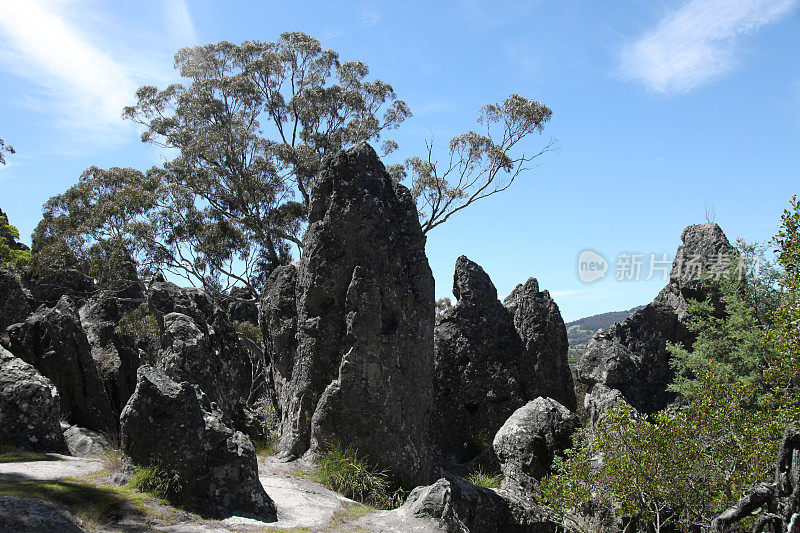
point(29, 515)
point(632, 356)
point(48, 286)
point(454, 506)
point(529, 441)
point(279, 330)
point(30, 411)
point(215, 466)
point(492, 358)
point(84, 442)
point(14, 306)
point(199, 345)
point(243, 308)
point(115, 355)
point(53, 341)
point(362, 370)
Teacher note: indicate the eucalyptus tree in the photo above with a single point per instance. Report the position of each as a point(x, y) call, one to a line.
point(249, 130)
point(4, 148)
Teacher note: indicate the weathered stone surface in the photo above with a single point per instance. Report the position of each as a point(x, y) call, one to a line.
point(454, 506)
point(279, 331)
point(14, 306)
point(544, 336)
point(632, 356)
point(529, 441)
point(29, 515)
point(599, 401)
point(53, 341)
point(491, 358)
point(243, 308)
point(115, 356)
point(30, 411)
point(175, 426)
point(362, 371)
point(49, 286)
point(84, 442)
point(199, 345)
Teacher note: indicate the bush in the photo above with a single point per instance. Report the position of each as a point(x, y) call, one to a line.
point(141, 326)
point(342, 470)
point(265, 433)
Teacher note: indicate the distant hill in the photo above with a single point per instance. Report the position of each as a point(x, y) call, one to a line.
point(580, 331)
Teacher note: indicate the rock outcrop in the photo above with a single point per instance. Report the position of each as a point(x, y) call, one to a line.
point(14, 305)
point(599, 401)
point(84, 442)
point(30, 411)
point(199, 345)
point(361, 373)
point(243, 308)
point(115, 355)
point(53, 341)
point(632, 356)
point(492, 358)
point(214, 469)
point(49, 286)
point(529, 441)
point(454, 506)
point(29, 515)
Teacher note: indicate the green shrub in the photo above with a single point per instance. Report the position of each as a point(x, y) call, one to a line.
point(141, 326)
point(475, 444)
point(342, 470)
point(157, 481)
point(267, 435)
point(479, 478)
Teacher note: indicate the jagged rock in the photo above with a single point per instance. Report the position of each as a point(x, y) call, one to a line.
point(13, 304)
point(599, 401)
point(53, 341)
point(49, 286)
point(199, 345)
point(243, 308)
point(84, 442)
point(632, 356)
point(544, 336)
point(362, 371)
point(175, 426)
point(115, 355)
point(491, 358)
point(29, 515)
point(529, 441)
point(279, 331)
point(454, 506)
point(30, 413)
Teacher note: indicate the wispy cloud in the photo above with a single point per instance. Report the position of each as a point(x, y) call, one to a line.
point(180, 22)
point(697, 43)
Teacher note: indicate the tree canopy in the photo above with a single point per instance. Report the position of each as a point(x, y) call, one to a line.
point(5, 148)
point(250, 128)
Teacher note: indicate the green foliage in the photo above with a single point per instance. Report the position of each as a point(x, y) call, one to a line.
point(157, 481)
point(267, 435)
point(14, 260)
point(479, 478)
point(341, 469)
point(250, 331)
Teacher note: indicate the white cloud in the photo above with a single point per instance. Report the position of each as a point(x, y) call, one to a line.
point(180, 22)
point(697, 43)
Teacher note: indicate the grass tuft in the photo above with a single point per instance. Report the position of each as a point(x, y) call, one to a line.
point(342, 470)
point(479, 478)
point(156, 481)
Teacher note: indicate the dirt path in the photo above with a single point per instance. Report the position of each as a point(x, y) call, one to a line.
point(63, 466)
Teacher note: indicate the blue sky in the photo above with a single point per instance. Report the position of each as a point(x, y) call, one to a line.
point(661, 109)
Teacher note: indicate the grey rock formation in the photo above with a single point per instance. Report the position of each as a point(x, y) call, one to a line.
point(84, 442)
point(175, 426)
point(538, 321)
point(632, 356)
point(30, 411)
point(362, 371)
point(529, 441)
point(53, 341)
point(279, 331)
point(115, 355)
point(599, 401)
point(199, 345)
point(491, 358)
point(454, 506)
point(48, 286)
point(29, 515)
point(14, 306)
point(243, 308)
